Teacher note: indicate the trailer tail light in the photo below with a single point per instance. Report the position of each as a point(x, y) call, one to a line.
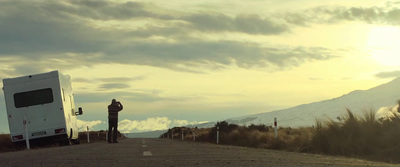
point(57, 131)
point(18, 137)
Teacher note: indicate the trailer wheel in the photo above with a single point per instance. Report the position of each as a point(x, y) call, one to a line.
point(76, 141)
point(65, 141)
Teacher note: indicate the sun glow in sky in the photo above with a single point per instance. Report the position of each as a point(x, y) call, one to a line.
point(384, 44)
point(185, 62)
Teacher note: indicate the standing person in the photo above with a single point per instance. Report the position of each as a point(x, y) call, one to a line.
point(113, 110)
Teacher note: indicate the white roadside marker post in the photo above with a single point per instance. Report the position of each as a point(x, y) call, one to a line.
point(194, 135)
point(217, 135)
point(87, 128)
point(276, 128)
point(26, 134)
point(106, 135)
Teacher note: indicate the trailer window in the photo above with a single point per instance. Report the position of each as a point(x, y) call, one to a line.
point(31, 98)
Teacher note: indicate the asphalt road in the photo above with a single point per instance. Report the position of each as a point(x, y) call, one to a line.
point(166, 153)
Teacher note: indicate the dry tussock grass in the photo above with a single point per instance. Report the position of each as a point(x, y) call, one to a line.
point(362, 136)
point(355, 136)
point(258, 136)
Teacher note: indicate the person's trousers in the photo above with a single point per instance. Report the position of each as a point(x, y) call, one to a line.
point(112, 129)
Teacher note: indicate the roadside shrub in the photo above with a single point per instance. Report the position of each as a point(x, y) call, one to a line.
point(261, 128)
point(359, 136)
point(351, 135)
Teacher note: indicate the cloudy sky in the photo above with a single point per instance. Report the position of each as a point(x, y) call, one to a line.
point(173, 63)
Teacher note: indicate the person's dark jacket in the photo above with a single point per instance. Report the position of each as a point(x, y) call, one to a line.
point(113, 110)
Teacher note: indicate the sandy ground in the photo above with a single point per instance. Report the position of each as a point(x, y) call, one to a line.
point(168, 153)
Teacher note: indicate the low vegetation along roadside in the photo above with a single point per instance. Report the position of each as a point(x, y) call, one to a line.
point(6, 145)
point(354, 136)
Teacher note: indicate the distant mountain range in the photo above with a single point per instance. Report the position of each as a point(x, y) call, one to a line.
point(305, 115)
point(152, 134)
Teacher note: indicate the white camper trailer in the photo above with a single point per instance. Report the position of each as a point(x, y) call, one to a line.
point(46, 102)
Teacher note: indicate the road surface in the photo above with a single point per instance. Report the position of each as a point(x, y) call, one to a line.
point(168, 153)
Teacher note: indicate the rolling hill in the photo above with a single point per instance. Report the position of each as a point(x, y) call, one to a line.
point(357, 101)
point(305, 115)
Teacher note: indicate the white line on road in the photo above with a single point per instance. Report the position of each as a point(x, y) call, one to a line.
point(147, 153)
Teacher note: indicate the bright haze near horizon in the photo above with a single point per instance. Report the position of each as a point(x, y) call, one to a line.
point(173, 63)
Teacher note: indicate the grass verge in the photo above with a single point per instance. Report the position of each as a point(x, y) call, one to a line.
point(354, 136)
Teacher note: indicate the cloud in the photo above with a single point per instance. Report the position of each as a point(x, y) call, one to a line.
point(37, 30)
point(122, 79)
point(388, 74)
point(110, 82)
point(181, 122)
point(105, 10)
point(373, 15)
point(139, 95)
point(65, 35)
point(219, 54)
point(28, 64)
point(251, 24)
point(82, 125)
point(315, 78)
point(186, 122)
point(387, 112)
point(151, 124)
point(114, 86)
